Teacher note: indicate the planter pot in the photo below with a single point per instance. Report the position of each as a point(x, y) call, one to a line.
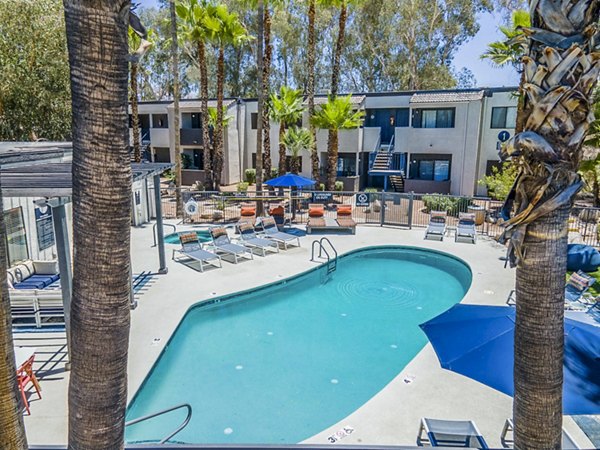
point(479, 212)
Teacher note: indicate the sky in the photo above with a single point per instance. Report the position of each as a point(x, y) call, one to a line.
point(468, 55)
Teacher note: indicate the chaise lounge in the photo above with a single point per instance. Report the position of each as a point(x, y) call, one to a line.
point(465, 229)
point(222, 244)
point(250, 239)
point(450, 433)
point(191, 248)
point(437, 225)
point(318, 221)
point(271, 231)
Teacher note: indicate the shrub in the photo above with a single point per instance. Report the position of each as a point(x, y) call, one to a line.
point(500, 181)
point(198, 186)
point(274, 172)
point(242, 187)
point(321, 187)
point(250, 176)
point(339, 186)
point(452, 205)
point(169, 175)
point(371, 189)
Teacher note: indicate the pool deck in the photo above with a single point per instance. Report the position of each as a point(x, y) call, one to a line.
point(391, 417)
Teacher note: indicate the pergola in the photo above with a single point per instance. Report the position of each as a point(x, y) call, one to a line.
point(52, 183)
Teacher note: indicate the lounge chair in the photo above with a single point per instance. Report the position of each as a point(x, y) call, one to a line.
point(191, 248)
point(222, 244)
point(451, 433)
point(317, 219)
point(250, 239)
point(344, 218)
point(567, 440)
point(278, 215)
point(577, 285)
point(271, 231)
point(437, 225)
point(466, 227)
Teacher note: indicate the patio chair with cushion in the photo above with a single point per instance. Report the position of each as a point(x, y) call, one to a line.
point(250, 239)
point(344, 218)
point(191, 248)
point(278, 214)
point(222, 244)
point(247, 214)
point(271, 231)
point(451, 433)
point(466, 227)
point(437, 225)
point(567, 440)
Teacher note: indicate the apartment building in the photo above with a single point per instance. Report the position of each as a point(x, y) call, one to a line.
point(440, 141)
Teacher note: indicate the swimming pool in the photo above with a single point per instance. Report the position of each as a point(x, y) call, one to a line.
point(203, 236)
point(282, 363)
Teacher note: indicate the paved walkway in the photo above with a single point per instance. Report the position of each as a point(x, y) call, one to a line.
point(391, 417)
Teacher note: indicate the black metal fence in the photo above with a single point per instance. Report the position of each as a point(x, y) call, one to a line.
point(378, 208)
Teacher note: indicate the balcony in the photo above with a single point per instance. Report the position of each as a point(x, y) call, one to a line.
point(190, 136)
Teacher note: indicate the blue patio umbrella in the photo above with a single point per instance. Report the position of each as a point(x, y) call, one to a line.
point(478, 342)
point(290, 180)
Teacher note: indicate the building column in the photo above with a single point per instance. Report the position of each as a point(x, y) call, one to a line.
point(160, 238)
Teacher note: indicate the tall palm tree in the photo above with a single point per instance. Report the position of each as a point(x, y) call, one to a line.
point(224, 28)
point(212, 117)
point(12, 430)
point(286, 108)
point(510, 51)
point(193, 15)
point(310, 86)
point(176, 111)
point(560, 72)
point(136, 44)
point(98, 58)
point(297, 140)
point(335, 115)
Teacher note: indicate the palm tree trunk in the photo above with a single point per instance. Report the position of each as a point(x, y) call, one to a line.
point(98, 50)
point(295, 164)
point(282, 149)
point(596, 188)
point(135, 119)
point(176, 114)
point(520, 121)
point(218, 137)
point(332, 152)
point(310, 89)
point(266, 86)
point(12, 430)
point(260, 104)
point(204, 115)
point(558, 84)
point(332, 137)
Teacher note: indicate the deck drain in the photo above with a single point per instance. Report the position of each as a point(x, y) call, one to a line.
point(213, 293)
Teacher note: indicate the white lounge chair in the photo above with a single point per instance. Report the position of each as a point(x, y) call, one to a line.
point(250, 239)
point(451, 433)
point(191, 248)
point(466, 227)
point(272, 232)
point(222, 244)
point(437, 225)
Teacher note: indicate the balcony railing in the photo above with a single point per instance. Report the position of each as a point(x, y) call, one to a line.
point(190, 136)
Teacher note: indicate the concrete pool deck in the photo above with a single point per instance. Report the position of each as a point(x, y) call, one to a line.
point(389, 418)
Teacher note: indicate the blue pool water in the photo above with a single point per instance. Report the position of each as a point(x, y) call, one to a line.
point(282, 363)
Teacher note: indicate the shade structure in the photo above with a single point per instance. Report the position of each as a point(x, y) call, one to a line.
point(478, 342)
point(290, 180)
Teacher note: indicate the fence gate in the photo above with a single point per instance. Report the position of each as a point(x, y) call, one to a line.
point(397, 209)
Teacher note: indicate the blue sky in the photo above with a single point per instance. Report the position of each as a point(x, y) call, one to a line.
point(468, 55)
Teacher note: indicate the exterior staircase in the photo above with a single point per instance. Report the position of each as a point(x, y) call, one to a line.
point(397, 183)
point(382, 161)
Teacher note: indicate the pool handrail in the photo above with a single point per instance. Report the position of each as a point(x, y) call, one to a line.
point(188, 417)
point(164, 225)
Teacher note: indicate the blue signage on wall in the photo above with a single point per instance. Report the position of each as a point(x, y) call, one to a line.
point(322, 197)
point(362, 199)
point(503, 136)
point(43, 224)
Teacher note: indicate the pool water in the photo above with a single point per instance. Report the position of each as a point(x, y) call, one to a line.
point(203, 236)
point(282, 363)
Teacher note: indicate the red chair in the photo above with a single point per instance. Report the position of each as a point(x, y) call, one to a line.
point(25, 376)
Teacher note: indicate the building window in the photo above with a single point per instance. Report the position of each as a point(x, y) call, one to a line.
point(387, 117)
point(160, 121)
point(504, 117)
point(430, 167)
point(254, 120)
point(16, 236)
point(433, 118)
point(193, 158)
point(190, 120)
point(346, 165)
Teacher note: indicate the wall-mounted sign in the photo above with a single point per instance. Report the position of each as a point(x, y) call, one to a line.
point(322, 197)
point(43, 224)
point(503, 136)
point(362, 199)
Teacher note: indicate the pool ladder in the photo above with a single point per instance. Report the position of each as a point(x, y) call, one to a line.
point(164, 411)
point(320, 245)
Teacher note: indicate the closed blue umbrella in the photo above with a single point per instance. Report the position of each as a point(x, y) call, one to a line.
point(478, 342)
point(290, 180)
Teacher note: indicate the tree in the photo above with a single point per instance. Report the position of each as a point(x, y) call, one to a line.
point(510, 52)
point(337, 114)
point(176, 111)
point(501, 181)
point(260, 101)
point(194, 15)
point(98, 57)
point(310, 88)
point(139, 46)
point(286, 108)
point(560, 71)
point(224, 29)
point(296, 140)
point(34, 71)
point(212, 118)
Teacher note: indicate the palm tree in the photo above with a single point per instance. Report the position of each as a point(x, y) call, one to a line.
point(176, 113)
point(296, 140)
point(212, 118)
point(259, 103)
point(310, 86)
point(337, 114)
point(193, 15)
point(12, 435)
point(140, 46)
point(98, 57)
point(560, 71)
point(286, 108)
point(224, 28)
point(510, 52)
